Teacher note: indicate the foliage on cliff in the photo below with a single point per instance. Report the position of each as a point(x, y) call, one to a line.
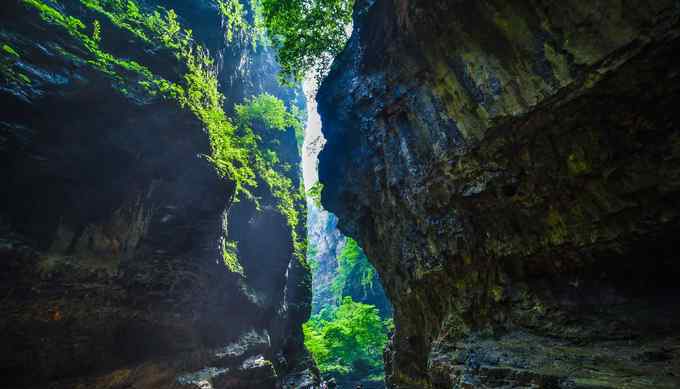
point(198, 90)
point(314, 193)
point(353, 267)
point(353, 304)
point(9, 72)
point(236, 153)
point(312, 252)
point(243, 22)
point(348, 338)
point(269, 113)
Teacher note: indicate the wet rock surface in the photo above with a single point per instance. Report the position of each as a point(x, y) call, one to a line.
point(111, 218)
point(512, 172)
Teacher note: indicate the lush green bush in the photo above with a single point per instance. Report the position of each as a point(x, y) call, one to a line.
point(347, 338)
point(267, 110)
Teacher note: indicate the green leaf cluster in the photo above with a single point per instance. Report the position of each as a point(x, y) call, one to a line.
point(233, 13)
point(347, 338)
point(8, 69)
point(230, 257)
point(235, 20)
point(307, 33)
point(268, 110)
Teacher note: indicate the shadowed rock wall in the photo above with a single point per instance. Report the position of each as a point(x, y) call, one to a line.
point(111, 222)
point(511, 168)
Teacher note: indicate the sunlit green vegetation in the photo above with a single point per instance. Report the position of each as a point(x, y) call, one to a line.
point(158, 27)
point(353, 266)
point(8, 70)
point(236, 152)
point(236, 17)
point(307, 33)
point(230, 257)
point(348, 338)
point(269, 113)
point(314, 193)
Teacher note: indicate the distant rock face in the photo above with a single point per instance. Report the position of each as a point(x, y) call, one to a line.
point(327, 243)
point(512, 170)
point(111, 223)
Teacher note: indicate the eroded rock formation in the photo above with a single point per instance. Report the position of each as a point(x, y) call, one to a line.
point(512, 169)
point(112, 221)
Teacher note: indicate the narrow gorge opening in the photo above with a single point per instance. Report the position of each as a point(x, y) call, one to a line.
point(510, 169)
point(351, 315)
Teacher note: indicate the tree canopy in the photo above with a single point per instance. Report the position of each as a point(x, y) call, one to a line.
point(307, 33)
point(348, 338)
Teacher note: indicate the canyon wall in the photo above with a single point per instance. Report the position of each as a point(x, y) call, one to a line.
point(113, 222)
point(326, 244)
point(512, 169)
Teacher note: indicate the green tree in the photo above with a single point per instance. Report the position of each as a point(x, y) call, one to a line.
point(347, 337)
point(266, 109)
point(307, 33)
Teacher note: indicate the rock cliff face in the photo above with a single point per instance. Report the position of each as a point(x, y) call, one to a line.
point(113, 223)
point(327, 243)
point(512, 169)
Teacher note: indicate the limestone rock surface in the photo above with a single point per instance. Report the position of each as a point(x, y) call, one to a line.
point(512, 169)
